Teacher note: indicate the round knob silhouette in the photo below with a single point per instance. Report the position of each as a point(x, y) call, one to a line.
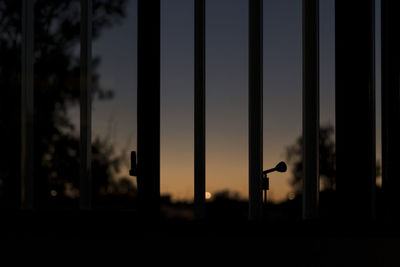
point(281, 167)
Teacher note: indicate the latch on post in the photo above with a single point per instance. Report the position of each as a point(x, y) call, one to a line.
point(280, 167)
point(133, 170)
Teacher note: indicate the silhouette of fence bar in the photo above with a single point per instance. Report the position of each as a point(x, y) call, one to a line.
point(86, 185)
point(148, 107)
point(255, 108)
point(310, 108)
point(27, 178)
point(390, 10)
point(199, 109)
point(355, 108)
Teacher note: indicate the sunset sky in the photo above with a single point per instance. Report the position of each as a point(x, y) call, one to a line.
point(226, 90)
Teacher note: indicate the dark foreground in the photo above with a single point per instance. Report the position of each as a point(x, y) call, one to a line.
point(318, 243)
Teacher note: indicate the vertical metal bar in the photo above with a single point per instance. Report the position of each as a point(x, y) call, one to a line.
point(86, 106)
point(199, 110)
point(255, 107)
point(27, 177)
point(355, 108)
point(148, 109)
point(390, 107)
point(310, 108)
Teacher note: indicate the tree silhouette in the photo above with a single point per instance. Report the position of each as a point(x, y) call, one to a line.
point(327, 160)
point(56, 83)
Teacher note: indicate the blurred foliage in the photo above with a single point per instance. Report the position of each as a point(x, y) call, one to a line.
point(327, 161)
point(56, 83)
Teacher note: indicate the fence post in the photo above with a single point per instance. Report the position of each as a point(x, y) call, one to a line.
point(355, 108)
point(310, 108)
point(148, 108)
point(27, 89)
point(199, 110)
point(390, 106)
point(86, 183)
point(255, 108)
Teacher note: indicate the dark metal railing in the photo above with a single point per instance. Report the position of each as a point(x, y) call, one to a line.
point(86, 184)
point(27, 179)
point(355, 105)
point(310, 108)
point(199, 108)
point(255, 107)
point(390, 41)
point(148, 107)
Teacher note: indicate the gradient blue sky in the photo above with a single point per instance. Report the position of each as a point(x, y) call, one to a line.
point(226, 92)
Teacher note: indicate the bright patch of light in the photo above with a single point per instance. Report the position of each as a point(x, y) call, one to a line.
point(53, 193)
point(208, 195)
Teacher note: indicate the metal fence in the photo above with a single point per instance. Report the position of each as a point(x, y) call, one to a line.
point(355, 106)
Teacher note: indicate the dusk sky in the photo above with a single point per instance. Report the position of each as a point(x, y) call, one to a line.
point(226, 90)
